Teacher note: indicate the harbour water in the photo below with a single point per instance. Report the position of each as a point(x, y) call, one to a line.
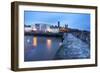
point(38, 48)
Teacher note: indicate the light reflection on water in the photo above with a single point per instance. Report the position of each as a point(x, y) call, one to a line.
point(40, 48)
point(34, 41)
point(49, 43)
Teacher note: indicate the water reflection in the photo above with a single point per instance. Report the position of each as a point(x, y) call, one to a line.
point(49, 43)
point(28, 40)
point(35, 41)
point(38, 48)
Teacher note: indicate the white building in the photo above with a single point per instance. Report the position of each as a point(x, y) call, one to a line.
point(42, 28)
point(33, 27)
point(27, 29)
point(54, 30)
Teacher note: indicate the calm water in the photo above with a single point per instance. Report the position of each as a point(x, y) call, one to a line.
point(40, 48)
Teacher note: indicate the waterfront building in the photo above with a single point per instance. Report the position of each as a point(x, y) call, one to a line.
point(43, 27)
point(27, 28)
point(66, 26)
point(59, 24)
point(33, 27)
point(37, 26)
point(54, 29)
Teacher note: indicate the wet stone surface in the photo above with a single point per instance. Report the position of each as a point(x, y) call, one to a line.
point(73, 48)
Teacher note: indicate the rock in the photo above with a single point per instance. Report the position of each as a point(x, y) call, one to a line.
point(73, 48)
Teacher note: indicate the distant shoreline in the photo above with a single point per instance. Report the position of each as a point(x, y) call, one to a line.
point(44, 34)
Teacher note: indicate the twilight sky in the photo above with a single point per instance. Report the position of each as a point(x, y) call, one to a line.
point(74, 20)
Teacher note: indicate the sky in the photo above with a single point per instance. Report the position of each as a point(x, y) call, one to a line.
point(74, 20)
